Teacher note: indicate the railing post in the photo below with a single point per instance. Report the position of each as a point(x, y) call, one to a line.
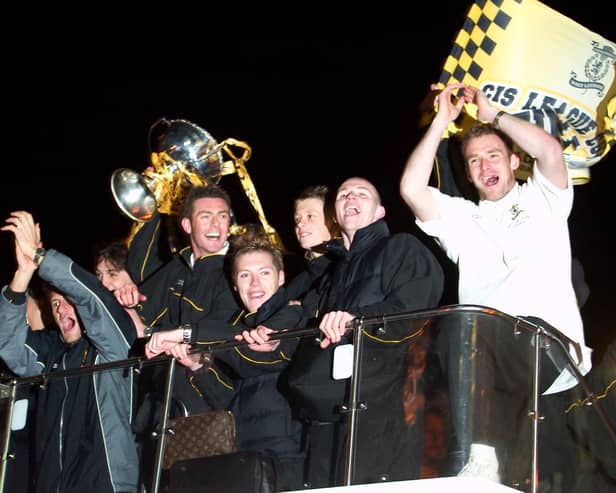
point(8, 394)
point(353, 404)
point(162, 435)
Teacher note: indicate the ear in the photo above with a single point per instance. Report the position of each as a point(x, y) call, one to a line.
point(380, 213)
point(514, 162)
point(186, 226)
point(280, 278)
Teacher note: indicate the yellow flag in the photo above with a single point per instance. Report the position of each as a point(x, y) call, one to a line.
point(536, 63)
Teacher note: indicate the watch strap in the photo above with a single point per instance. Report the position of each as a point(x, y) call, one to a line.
point(39, 254)
point(186, 333)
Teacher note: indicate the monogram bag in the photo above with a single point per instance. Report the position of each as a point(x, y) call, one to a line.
point(201, 435)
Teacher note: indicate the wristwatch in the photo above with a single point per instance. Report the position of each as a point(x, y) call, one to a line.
point(39, 254)
point(186, 333)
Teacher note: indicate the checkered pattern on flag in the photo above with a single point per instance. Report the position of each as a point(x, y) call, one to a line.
point(534, 62)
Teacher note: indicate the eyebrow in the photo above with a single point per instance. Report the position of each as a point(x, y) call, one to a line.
point(212, 211)
point(360, 187)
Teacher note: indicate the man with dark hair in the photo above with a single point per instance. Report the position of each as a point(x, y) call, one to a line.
point(313, 217)
point(314, 206)
point(83, 437)
point(176, 304)
point(187, 298)
point(110, 266)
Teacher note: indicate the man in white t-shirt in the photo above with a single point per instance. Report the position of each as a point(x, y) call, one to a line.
point(512, 248)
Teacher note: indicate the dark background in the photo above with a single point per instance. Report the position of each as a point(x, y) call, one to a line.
point(318, 95)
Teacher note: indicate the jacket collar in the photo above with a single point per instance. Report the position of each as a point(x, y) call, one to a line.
point(363, 238)
point(267, 309)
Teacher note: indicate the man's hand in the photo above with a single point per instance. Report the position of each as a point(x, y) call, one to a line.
point(181, 353)
point(448, 109)
point(27, 237)
point(163, 341)
point(258, 339)
point(25, 264)
point(195, 361)
point(485, 111)
point(129, 295)
point(449, 103)
point(334, 325)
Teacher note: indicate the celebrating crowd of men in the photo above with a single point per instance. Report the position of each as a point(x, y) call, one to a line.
point(93, 432)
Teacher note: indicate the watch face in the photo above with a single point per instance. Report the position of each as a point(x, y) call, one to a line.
point(39, 253)
point(186, 333)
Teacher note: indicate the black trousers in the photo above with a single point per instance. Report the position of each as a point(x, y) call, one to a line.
point(489, 372)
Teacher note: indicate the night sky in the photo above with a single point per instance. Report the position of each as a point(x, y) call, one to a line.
point(319, 96)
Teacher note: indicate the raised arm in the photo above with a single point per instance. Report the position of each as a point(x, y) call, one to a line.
point(532, 138)
point(416, 175)
point(22, 359)
point(108, 325)
point(26, 233)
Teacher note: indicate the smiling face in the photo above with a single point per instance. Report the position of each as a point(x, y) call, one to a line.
point(357, 205)
point(65, 316)
point(256, 278)
point(310, 227)
point(490, 166)
point(111, 276)
point(208, 226)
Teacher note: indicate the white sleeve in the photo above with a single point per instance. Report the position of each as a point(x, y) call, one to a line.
point(451, 228)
